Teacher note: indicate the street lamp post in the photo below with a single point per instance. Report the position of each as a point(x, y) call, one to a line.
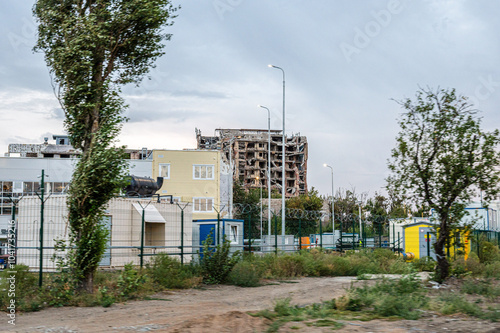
point(283, 174)
point(333, 211)
point(360, 223)
point(260, 185)
point(230, 198)
point(268, 170)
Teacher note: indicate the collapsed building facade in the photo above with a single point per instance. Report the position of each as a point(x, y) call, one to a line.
point(247, 150)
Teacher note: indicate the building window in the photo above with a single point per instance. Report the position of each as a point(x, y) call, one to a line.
point(201, 171)
point(203, 204)
point(164, 171)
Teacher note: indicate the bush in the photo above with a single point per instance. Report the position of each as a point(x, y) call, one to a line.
point(454, 303)
point(424, 264)
point(387, 298)
point(27, 294)
point(129, 281)
point(488, 252)
point(170, 273)
point(480, 287)
point(245, 274)
point(492, 270)
point(474, 265)
point(217, 263)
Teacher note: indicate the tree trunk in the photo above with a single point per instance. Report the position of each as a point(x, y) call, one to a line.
point(443, 266)
point(88, 282)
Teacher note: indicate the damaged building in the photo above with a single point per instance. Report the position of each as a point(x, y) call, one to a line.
point(247, 150)
point(63, 149)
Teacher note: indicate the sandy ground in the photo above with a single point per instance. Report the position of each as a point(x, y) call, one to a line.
point(224, 309)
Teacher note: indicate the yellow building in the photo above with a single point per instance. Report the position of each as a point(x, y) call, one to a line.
point(419, 239)
point(193, 176)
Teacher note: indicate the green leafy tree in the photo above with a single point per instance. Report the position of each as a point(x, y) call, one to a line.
point(310, 202)
point(92, 48)
point(346, 209)
point(442, 159)
point(247, 207)
point(377, 206)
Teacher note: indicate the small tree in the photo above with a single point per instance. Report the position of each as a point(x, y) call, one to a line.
point(93, 47)
point(308, 205)
point(247, 204)
point(443, 159)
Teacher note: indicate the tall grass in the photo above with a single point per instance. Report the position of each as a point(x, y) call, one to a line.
point(318, 263)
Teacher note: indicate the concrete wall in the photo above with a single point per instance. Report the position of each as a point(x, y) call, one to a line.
point(125, 229)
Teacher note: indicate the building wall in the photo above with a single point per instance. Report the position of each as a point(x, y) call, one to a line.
point(20, 176)
point(125, 230)
point(248, 151)
point(481, 216)
point(182, 184)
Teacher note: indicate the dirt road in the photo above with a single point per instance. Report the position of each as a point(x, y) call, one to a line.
point(224, 309)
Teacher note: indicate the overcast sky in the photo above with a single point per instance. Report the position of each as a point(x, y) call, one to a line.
point(345, 62)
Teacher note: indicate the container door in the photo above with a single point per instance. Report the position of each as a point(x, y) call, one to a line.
point(427, 238)
point(205, 231)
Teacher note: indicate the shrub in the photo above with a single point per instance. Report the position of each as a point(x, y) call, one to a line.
point(399, 266)
point(474, 265)
point(26, 289)
point(169, 273)
point(217, 262)
point(492, 270)
point(245, 274)
point(458, 267)
point(487, 252)
point(105, 298)
point(387, 298)
point(60, 289)
point(480, 287)
point(424, 264)
point(129, 281)
point(454, 303)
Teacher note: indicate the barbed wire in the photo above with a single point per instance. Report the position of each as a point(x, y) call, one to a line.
point(294, 213)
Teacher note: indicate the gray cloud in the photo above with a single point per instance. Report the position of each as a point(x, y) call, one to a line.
point(215, 72)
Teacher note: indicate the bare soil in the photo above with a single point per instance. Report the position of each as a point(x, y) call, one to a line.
point(225, 309)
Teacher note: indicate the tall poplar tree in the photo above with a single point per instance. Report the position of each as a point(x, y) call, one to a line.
point(442, 159)
point(93, 47)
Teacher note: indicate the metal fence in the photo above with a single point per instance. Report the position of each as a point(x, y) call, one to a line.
point(142, 228)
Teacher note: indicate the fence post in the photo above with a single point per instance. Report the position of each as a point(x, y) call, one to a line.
point(428, 244)
point(13, 227)
point(399, 243)
point(42, 208)
point(143, 225)
point(341, 226)
point(182, 230)
point(363, 232)
point(182, 237)
point(379, 235)
point(142, 235)
point(218, 229)
point(320, 234)
point(300, 234)
point(477, 242)
point(276, 235)
point(353, 232)
point(393, 235)
point(250, 232)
